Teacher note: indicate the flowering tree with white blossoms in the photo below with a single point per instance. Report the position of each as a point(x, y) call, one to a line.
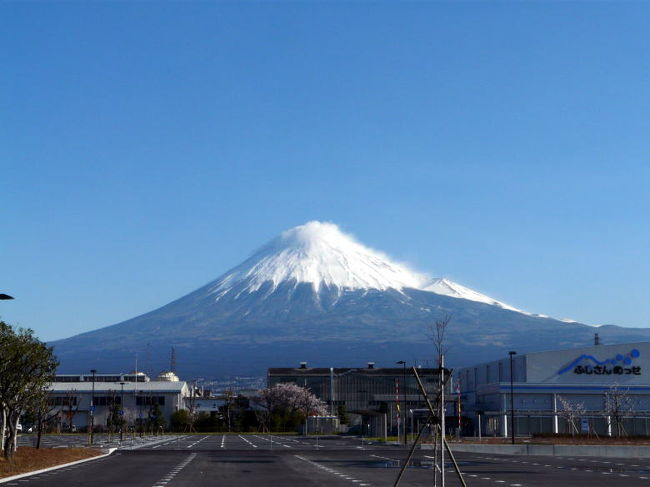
point(287, 400)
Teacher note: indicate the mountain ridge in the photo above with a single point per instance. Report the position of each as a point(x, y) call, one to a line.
point(316, 294)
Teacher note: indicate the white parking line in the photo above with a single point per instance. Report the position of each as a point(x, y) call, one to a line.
point(251, 444)
point(272, 441)
point(196, 442)
point(332, 471)
point(169, 477)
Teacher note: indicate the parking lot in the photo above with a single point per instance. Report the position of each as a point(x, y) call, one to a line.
point(261, 459)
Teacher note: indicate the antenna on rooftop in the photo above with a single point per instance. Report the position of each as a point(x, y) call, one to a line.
point(172, 361)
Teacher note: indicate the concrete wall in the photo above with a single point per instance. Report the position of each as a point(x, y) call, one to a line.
point(612, 451)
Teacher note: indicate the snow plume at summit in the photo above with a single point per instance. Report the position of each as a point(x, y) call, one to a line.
point(321, 255)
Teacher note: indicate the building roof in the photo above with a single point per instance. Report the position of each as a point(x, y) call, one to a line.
point(540, 354)
point(129, 387)
point(318, 371)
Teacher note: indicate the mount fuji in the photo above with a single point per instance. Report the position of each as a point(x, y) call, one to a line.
point(315, 294)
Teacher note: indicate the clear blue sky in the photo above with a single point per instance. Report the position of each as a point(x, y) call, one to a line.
point(148, 147)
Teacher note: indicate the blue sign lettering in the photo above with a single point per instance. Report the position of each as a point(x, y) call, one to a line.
point(618, 365)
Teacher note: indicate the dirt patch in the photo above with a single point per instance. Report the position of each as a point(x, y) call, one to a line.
point(28, 459)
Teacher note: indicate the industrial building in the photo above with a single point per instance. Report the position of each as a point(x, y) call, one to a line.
point(599, 390)
point(369, 395)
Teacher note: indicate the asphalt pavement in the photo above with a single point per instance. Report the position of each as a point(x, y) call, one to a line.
point(258, 460)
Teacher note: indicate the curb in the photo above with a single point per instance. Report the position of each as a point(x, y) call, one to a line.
point(56, 467)
point(609, 451)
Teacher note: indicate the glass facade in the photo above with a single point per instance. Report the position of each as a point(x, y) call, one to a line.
point(362, 390)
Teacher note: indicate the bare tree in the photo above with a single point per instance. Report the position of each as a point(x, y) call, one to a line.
point(571, 412)
point(130, 415)
point(70, 406)
point(115, 420)
point(262, 415)
point(618, 405)
point(42, 412)
point(229, 396)
point(437, 333)
point(190, 403)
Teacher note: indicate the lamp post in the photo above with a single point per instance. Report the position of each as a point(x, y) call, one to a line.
point(140, 419)
point(512, 399)
point(403, 363)
point(121, 411)
point(92, 408)
point(5, 296)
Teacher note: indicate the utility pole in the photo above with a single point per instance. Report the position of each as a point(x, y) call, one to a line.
point(332, 391)
point(403, 363)
point(512, 399)
point(122, 411)
point(92, 409)
point(397, 410)
point(442, 420)
point(140, 418)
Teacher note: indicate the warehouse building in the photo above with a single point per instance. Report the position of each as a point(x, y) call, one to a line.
point(77, 397)
point(599, 390)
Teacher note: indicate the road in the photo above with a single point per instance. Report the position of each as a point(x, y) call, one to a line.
point(265, 460)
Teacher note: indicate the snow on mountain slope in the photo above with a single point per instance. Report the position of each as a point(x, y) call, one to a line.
point(320, 254)
point(455, 290)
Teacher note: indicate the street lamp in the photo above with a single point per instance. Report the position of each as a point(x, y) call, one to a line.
point(92, 408)
point(403, 363)
point(512, 399)
point(122, 411)
point(5, 296)
point(140, 420)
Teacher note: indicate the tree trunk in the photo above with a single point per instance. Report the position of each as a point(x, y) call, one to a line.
point(11, 437)
point(39, 428)
point(3, 428)
point(15, 444)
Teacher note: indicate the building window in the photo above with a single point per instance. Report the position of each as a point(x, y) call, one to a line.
point(62, 401)
point(150, 400)
point(107, 400)
point(67, 378)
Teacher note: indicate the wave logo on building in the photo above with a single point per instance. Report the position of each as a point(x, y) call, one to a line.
point(583, 361)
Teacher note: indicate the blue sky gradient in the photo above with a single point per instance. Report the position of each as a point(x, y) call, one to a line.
point(149, 147)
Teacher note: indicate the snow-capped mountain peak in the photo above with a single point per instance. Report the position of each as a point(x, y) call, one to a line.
point(455, 290)
point(318, 253)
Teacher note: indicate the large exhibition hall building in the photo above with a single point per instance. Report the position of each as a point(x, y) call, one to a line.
point(600, 390)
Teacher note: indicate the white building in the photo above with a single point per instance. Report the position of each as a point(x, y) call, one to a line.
point(548, 385)
point(74, 394)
